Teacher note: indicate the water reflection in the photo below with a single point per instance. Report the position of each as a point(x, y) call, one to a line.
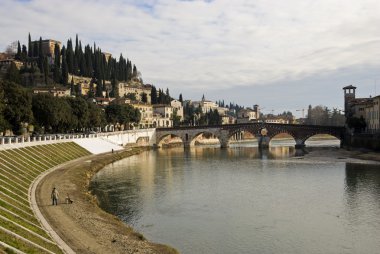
point(362, 183)
point(276, 152)
point(245, 200)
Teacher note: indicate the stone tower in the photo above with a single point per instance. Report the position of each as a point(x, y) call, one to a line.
point(349, 97)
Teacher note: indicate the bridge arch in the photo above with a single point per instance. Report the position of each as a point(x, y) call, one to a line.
point(283, 137)
point(322, 139)
point(208, 135)
point(242, 136)
point(166, 139)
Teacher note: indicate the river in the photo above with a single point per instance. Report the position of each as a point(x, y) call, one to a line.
point(243, 200)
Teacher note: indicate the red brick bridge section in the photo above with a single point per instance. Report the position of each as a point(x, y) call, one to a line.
point(300, 133)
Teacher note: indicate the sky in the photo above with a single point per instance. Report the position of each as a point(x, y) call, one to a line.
point(282, 55)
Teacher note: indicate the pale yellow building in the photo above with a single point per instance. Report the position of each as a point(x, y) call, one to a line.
point(164, 115)
point(277, 119)
point(247, 115)
point(150, 118)
point(48, 46)
point(135, 87)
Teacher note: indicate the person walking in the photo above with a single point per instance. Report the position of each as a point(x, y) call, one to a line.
point(54, 196)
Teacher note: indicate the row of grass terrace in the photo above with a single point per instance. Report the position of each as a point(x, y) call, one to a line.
point(20, 230)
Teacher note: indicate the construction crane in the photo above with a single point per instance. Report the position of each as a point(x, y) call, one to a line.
point(303, 112)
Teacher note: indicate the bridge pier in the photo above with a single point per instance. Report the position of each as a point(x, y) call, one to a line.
point(223, 144)
point(186, 144)
point(300, 143)
point(264, 141)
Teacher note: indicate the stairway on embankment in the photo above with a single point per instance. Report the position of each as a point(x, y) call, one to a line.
point(20, 229)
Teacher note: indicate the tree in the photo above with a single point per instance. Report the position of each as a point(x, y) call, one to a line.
point(176, 119)
point(99, 89)
point(131, 96)
point(30, 47)
point(57, 76)
point(13, 74)
point(54, 114)
point(161, 97)
point(65, 71)
point(24, 53)
point(96, 116)
point(46, 70)
point(144, 97)
point(358, 124)
point(114, 89)
point(79, 108)
point(180, 98)
point(122, 114)
point(210, 118)
point(35, 49)
point(40, 56)
point(153, 95)
point(18, 108)
point(3, 123)
point(337, 118)
point(72, 87)
point(318, 115)
point(70, 56)
point(167, 97)
point(134, 74)
point(18, 54)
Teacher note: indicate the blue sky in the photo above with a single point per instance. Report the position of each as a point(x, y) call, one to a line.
point(282, 55)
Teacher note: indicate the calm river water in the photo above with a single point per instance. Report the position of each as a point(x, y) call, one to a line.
point(241, 200)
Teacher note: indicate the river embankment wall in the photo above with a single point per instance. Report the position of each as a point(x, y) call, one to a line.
point(367, 141)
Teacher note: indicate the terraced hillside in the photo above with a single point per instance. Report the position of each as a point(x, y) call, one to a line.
point(20, 231)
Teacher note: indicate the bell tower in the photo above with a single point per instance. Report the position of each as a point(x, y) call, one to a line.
point(349, 97)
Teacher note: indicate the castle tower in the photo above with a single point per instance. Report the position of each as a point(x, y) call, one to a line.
point(349, 97)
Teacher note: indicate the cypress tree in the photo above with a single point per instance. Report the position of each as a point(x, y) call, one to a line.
point(46, 70)
point(114, 91)
point(70, 56)
point(76, 45)
point(161, 99)
point(65, 71)
point(24, 53)
point(40, 56)
point(57, 64)
point(18, 54)
point(153, 95)
point(35, 49)
point(99, 89)
point(180, 98)
point(57, 56)
point(72, 89)
point(134, 74)
point(30, 46)
point(167, 96)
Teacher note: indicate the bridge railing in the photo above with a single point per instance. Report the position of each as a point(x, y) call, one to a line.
point(9, 140)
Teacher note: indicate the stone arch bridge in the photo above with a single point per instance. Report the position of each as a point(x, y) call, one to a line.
point(300, 133)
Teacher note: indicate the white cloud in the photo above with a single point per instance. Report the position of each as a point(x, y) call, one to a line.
point(211, 44)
